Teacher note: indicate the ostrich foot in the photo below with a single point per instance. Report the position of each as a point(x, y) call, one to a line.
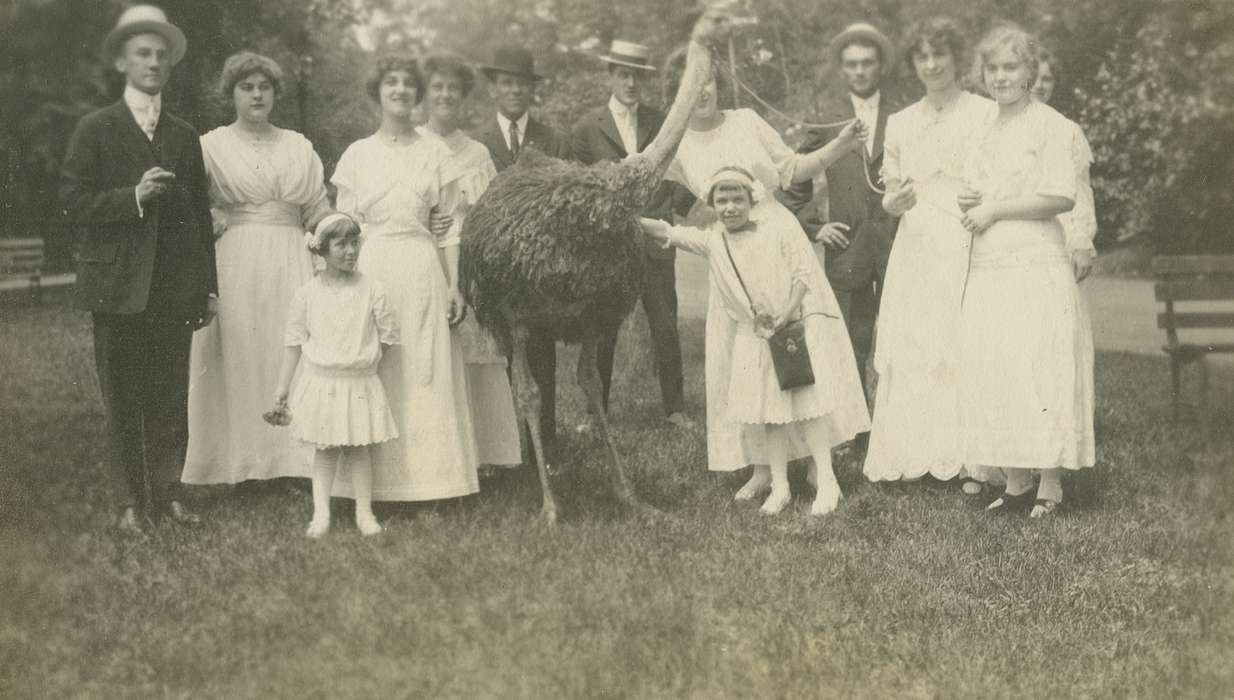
point(759, 482)
point(776, 502)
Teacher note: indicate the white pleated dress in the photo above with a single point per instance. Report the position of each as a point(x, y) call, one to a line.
point(736, 368)
point(338, 399)
point(264, 195)
point(465, 176)
point(390, 189)
point(916, 411)
point(1026, 389)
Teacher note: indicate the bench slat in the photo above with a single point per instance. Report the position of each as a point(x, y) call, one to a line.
point(1195, 320)
point(1195, 289)
point(20, 243)
point(1183, 264)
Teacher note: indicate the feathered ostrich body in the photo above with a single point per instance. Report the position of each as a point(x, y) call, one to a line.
point(554, 245)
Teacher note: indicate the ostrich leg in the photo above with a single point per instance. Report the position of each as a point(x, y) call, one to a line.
point(527, 394)
point(589, 381)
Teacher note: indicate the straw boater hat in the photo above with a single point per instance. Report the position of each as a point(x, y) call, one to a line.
point(514, 60)
point(629, 54)
point(145, 19)
point(867, 32)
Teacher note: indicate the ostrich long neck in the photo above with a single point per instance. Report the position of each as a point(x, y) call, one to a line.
point(696, 75)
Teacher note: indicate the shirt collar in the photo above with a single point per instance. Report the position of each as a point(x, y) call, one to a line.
point(870, 102)
point(504, 122)
point(140, 101)
point(620, 110)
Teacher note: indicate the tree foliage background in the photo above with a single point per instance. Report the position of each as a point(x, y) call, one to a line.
point(1149, 81)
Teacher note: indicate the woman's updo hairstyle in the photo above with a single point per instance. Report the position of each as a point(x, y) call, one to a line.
point(451, 65)
point(675, 70)
point(392, 62)
point(1007, 34)
point(938, 33)
point(239, 66)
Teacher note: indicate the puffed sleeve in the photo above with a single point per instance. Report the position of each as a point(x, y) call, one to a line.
point(383, 316)
point(1080, 224)
point(1056, 164)
point(445, 196)
point(344, 181)
point(794, 252)
point(296, 332)
point(317, 203)
point(690, 239)
point(783, 159)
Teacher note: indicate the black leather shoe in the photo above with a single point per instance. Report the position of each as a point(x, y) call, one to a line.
point(131, 524)
point(176, 512)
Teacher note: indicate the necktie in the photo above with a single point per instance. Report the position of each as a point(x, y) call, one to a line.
point(149, 121)
point(514, 145)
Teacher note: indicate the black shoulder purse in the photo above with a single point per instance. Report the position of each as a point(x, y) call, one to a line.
point(789, 353)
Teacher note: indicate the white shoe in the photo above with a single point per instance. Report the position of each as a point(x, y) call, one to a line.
point(826, 502)
point(776, 502)
point(317, 529)
point(752, 488)
point(368, 526)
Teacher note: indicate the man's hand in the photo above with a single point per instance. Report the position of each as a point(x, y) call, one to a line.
point(154, 182)
point(439, 224)
point(212, 310)
point(834, 235)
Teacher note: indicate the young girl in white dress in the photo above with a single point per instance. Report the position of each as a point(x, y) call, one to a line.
point(339, 324)
point(764, 276)
point(1026, 391)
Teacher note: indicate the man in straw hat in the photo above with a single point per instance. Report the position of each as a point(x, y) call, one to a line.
point(512, 73)
point(623, 127)
point(852, 233)
point(134, 182)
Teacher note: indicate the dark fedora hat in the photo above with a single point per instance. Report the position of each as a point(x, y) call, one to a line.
point(514, 60)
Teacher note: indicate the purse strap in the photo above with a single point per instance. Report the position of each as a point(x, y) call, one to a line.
point(731, 261)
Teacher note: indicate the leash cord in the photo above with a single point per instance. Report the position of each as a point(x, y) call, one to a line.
point(731, 72)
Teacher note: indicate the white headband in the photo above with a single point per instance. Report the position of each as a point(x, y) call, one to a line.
point(312, 241)
point(731, 173)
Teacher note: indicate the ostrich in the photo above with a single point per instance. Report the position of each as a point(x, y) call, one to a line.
point(553, 245)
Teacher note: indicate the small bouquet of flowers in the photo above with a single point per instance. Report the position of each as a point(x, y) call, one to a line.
point(279, 416)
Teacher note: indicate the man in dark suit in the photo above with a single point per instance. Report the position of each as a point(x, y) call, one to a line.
point(134, 181)
point(622, 127)
point(512, 129)
point(849, 220)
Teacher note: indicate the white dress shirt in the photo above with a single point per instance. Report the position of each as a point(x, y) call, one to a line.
point(145, 108)
point(866, 110)
point(504, 126)
point(626, 119)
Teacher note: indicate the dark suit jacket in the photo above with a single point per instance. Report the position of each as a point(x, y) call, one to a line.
point(543, 138)
point(596, 139)
point(849, 198)
point(162, 262)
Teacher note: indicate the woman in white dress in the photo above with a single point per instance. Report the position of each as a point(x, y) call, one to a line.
point(1026, 390)
point(391, 182)
point(465, 175)
point(266, 189)
point(916, 412)
point(741, 138)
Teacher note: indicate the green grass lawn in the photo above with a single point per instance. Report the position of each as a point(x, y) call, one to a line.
point(906, 591)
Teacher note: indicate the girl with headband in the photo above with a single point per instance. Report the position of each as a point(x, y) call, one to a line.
point(338, 328)
point(763, 277)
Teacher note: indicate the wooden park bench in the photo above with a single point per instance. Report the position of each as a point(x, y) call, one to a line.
point(1186, 279)
point(21, 264)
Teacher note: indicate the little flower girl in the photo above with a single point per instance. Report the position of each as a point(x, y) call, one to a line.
point(339, 324)
point(765, 276)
